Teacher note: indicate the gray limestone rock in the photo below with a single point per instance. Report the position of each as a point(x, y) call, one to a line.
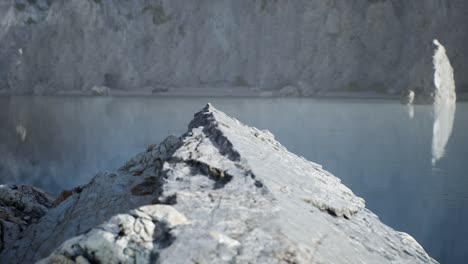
point(407, 97)
point(20, 206)
point(125, 238)
point(222, 193)
point(100, 90)
point(289, 91)
point(333, 45)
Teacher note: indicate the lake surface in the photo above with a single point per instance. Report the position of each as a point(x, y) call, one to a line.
point(412, 171)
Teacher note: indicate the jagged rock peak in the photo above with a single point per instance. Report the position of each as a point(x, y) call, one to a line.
point(223, 192)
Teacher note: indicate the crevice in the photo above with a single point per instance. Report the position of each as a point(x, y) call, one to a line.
point(220, 177)
point(64, 195)
point(206, 119)
point(150, 185)
point(223, 145)
point(164, 237)
point(121, 232)
point(329, 210)
point(168, 200)
point(258, 183)
point(90, 258)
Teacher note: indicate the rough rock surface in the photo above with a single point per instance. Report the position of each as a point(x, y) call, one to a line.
point(125, 238)
point(20, 206)
point(332, 45)
point(223, 193)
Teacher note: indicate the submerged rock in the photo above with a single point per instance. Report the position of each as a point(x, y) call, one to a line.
point(222, 193)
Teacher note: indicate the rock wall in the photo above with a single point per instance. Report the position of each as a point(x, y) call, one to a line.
point(318, 45)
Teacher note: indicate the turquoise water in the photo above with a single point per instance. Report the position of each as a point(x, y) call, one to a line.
point(375, 147)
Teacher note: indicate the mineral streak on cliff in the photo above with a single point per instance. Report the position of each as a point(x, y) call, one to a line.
point(311, 44)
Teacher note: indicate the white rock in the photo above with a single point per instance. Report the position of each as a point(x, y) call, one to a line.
point(289, 91)
point(444, 102)
point(100, 90)
point(20, 206)
point(224, 193)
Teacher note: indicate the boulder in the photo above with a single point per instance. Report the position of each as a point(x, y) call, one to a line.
point(407, 97)
point(125, 238)
point(159, 89)
point(289, 91)
point(223, 192)
point(100, 91)
point(20, 206)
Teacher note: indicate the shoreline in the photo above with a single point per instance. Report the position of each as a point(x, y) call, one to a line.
point(228, 93)
point(460, 99)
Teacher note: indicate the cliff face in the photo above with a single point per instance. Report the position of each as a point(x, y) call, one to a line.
point(48, 45)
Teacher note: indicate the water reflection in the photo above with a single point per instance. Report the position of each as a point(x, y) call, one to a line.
point(21, 131)
point(410, 109)
point(444, 115)
point(407, 98)
point(444, 102)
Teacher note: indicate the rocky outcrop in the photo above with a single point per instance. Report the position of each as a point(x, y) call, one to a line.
point(20, 206)
point(377, 45)
point(125, 238)
point(221, 193)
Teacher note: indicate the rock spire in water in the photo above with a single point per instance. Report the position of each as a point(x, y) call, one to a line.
point(444, 102)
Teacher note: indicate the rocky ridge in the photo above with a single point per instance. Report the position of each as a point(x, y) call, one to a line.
point(221, 193)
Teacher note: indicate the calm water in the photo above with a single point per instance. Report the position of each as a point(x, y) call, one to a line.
point(375, 147)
